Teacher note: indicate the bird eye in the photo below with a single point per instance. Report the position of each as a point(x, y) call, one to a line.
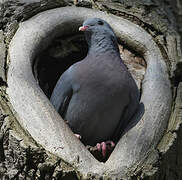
point(100, 23)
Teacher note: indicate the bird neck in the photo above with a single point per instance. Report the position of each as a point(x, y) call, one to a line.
point(102, 44)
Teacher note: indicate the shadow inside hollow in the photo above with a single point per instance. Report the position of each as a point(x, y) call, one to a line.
point(56, 59)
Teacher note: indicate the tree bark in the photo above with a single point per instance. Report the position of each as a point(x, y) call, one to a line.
point(21, 157)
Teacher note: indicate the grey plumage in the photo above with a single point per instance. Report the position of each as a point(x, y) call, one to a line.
point(97, 96)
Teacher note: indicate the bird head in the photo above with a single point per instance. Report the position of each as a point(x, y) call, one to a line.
point(95, 24)
point(97, 32)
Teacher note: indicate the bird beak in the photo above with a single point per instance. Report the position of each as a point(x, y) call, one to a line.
point(83, 28)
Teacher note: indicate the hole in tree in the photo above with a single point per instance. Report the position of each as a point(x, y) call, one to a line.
point(64, 51)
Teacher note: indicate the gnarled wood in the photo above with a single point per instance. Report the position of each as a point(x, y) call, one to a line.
point(38, 117)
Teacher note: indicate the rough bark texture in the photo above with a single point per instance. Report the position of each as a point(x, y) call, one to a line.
point(21, 157)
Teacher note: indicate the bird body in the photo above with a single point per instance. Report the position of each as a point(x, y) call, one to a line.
point(97, 96)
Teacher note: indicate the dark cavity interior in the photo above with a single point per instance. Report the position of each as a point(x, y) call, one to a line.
point(57, 58)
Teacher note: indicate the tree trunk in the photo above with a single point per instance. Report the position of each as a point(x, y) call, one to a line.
point(24, 157)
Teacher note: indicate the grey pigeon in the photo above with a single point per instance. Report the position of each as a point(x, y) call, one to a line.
point(97, 96)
